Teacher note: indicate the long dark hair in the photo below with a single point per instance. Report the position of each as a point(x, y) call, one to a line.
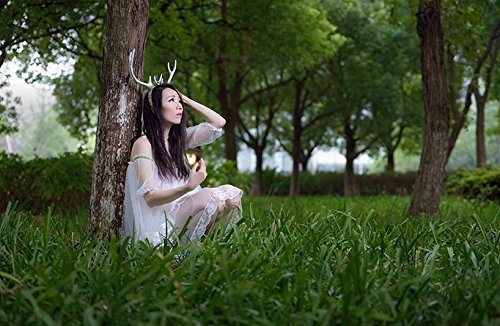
point(171, 163)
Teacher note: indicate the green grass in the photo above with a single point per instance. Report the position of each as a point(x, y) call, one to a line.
point(305, 261)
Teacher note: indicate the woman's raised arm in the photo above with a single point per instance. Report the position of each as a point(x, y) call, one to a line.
point(208, 114)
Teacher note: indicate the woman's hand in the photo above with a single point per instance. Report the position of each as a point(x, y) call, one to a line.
point(208, 114)
point(197, 175)
point(185, 98)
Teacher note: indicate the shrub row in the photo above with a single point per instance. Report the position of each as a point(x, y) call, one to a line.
point(62, 181)
point(480, 183)
point(65, 182)
point(332, 183)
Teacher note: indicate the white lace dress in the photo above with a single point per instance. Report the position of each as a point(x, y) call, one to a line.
point(165, 221)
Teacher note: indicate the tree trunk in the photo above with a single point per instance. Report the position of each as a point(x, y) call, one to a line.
point(119, 112)
point(305, 161)
point(297, 133)
point(232, 118)
point(230, 137)
point(431, 171)
point(481, 99)
point(491, 51)
point(480, 139)
point(350, 188)
point(229, 99)
point(390, 160)
point(259, 175)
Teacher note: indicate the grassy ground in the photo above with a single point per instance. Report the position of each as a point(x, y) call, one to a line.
point(305, 261)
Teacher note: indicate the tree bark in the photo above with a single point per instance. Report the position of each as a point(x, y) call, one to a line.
point(296, 145)
point(492, 50)
point(431, 171)
point(391, 149)
point(480, 139)
point(306, 157)
point(350, 188)
point(259, 174)
point(230, 97)
point(232, 119)
point(482, 98)
point(390, 159)
point(119, 112)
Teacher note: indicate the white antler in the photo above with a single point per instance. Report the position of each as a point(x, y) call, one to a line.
point(150, 84)
point(171, 72)
point(131, 69)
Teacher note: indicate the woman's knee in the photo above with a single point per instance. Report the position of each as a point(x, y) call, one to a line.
point(226, 197)
point(213, 196)
point(233, 202)
point(233, 196)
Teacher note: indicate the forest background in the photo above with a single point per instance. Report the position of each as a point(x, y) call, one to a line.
point(399, 80)
point(293, 77)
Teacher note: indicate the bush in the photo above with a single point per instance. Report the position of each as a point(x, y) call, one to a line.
point(226, 173)
point(332, 183)
point(481, 183)
point(63, 181)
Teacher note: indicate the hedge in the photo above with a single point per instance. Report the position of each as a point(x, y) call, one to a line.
point(480, 183)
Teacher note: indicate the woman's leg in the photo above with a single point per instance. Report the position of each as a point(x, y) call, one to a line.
point(203, 207)
point(232, 200)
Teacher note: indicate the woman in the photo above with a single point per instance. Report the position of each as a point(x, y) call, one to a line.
point(162, 194)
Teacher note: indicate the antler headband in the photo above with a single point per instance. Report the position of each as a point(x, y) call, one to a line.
point(150, 84)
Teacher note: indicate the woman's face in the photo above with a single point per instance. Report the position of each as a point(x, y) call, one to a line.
point(171, 106)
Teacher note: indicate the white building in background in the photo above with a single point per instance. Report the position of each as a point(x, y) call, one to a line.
point(321, 161)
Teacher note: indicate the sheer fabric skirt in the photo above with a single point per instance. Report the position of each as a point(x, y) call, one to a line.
point(194, 214)
point(187, 218)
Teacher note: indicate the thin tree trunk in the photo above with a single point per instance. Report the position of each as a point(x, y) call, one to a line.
point(230, 98)
point(480, 139)
point(482, 98)
point(305, 161)
point(119, 112)
point(223, 93)
point(492, 50)
point(230, 137)
point(431, 171)
point(350, 188)
point(390, 159)
point(296, 146)
point(232, 119)
point(259, 175)
point(295, 182)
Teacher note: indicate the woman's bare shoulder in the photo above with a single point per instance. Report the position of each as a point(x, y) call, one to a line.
point(141, 146)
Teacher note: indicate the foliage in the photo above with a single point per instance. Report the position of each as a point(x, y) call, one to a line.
point(480, 183)
point(376, 88)
point(63, 181)
point(39, 33)
point(78, 98)
point(225, 172)
point(42, 32)
point(43, 136)
point(307, 261)
point(8, 114)
point(332, 183)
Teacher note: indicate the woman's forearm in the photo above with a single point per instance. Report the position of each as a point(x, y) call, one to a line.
point(161, 197)
point(208, 114)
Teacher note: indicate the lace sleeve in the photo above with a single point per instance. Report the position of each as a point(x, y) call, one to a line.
point(144, 167)
point(202, 134)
